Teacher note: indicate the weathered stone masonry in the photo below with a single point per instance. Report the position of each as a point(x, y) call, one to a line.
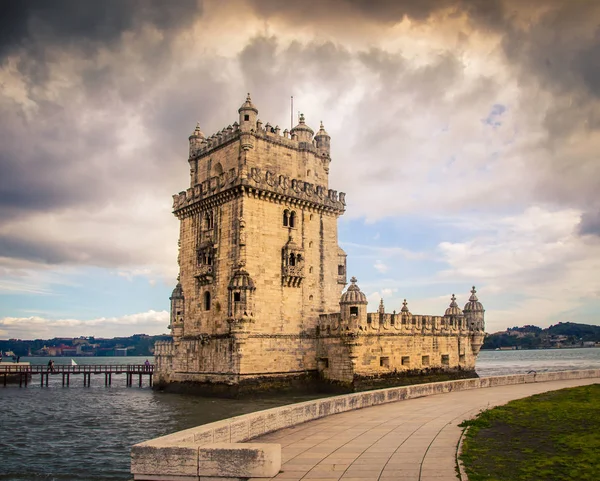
point(261, 274)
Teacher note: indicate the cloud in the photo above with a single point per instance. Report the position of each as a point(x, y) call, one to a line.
point(98, 101)
point(381, 267)
point(67, 21)
point(536, 261)
point(35, 327)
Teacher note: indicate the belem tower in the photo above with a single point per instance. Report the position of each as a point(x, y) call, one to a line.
point(259, 301)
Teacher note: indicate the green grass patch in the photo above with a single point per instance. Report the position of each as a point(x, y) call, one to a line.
point(554, 436)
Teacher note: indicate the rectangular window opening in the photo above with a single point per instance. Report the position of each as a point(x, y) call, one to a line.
point(324, 361)
point(237, 297)
point(425, 360)
point(384, 362)
point(406, 361)
point(354, 311)
point(461, 358)
point(446, 359)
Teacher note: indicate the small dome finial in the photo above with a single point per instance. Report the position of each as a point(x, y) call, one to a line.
point(197, 132)
point(473, 295)
point(404, 306)
point(354, 280)
point(453, 310)
point(473, 305)
point(353, 294)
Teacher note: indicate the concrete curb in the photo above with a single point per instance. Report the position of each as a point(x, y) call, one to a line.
point(248, 426)
point(462, 474)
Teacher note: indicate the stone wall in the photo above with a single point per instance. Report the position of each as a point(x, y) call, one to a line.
point(150, 459)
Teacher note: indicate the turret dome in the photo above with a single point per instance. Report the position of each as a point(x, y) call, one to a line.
point(248, 105)
point(303, 131)
point(404, 309)
point(241, 280)
point(473, 305)
point(197, 133)
point(353, 294)
point(453, 310)
point(177, 292)
point(322, 132)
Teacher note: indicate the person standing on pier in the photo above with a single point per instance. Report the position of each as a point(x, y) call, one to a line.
point(51, 365)
point(147, 365)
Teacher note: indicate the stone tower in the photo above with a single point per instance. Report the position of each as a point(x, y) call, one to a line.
point(259, 259)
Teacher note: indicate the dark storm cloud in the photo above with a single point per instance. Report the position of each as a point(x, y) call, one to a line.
point(40, 249)
point(488, 12)
point(590, 223)
point(560, 46)
point(87, 22)
point(49, 156)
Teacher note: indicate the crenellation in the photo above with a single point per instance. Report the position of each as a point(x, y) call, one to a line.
point(265, 181)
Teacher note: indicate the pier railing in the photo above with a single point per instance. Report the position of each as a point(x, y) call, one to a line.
point(23, 373)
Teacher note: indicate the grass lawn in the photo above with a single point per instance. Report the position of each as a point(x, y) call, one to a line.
point(553, 436)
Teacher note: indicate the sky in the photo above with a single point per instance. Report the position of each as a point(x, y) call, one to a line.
point(466, 134)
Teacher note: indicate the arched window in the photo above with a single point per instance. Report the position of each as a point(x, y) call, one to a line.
point(207, 301)
point(218, 168)
point(354, 311)
point(286, 217)
point(209, 221)
point(292, 260)
point(292, 219)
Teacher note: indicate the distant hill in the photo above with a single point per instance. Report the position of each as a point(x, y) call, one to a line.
point(136, 345)
point(563, 334)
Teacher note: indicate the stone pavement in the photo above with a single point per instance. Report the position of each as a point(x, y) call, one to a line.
point(408, 440)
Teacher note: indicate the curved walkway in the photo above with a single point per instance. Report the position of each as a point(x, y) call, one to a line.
point(413, 440)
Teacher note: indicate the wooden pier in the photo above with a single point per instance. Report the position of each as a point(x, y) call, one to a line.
point(25, 373)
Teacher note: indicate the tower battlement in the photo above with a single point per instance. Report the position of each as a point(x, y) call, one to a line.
point(206, 145)
point(276, 187)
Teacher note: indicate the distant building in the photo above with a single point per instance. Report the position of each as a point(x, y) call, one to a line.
point(120, 351)
point(259, 299)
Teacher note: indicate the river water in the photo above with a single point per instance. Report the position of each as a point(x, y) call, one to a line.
point(86, 433)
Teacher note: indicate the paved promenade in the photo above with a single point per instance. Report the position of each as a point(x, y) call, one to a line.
point(408, 440)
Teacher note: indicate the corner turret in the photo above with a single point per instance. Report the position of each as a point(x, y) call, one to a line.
point(177, 310)
point(353, 306)
point(196, 140)
point(474, 313)
point(323, 142)
point(248, 115)
point(302, 131)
